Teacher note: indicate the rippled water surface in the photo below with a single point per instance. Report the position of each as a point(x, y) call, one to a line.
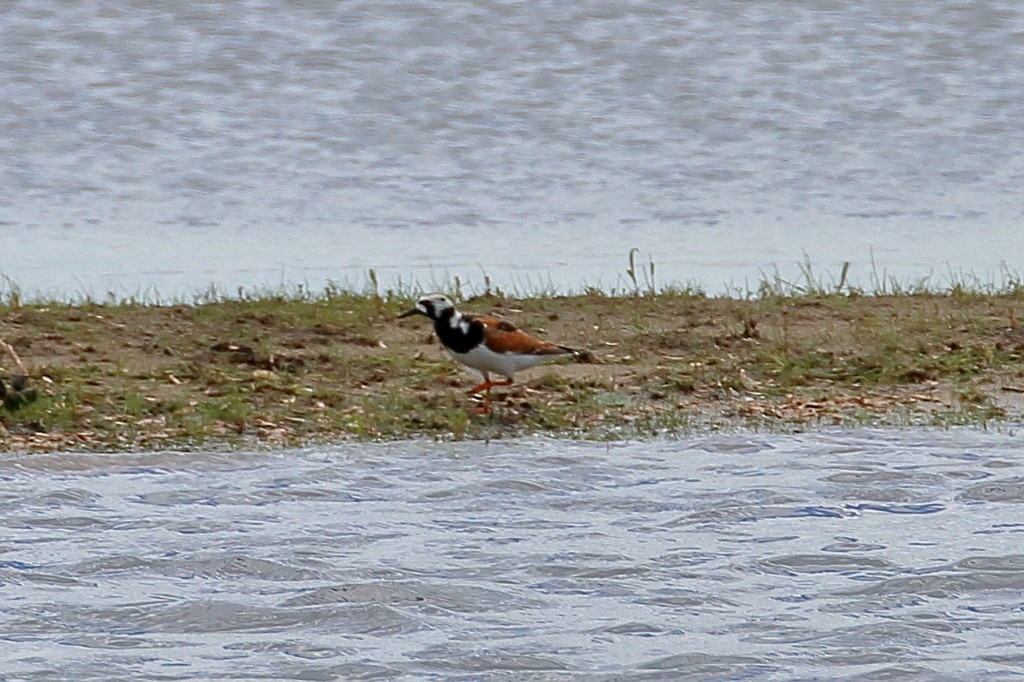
point(862, 555)
point(157, 146)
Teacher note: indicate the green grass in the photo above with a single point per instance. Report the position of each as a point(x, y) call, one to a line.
point(637, 280)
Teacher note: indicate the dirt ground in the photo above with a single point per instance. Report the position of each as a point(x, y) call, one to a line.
point(277, 371)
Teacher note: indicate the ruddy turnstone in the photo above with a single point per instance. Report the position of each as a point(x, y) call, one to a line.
point(486, 344)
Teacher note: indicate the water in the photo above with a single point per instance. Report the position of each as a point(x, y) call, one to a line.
point(155, 147)
point(848, 555)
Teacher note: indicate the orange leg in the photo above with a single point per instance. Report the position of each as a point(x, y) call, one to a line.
point(485, 387)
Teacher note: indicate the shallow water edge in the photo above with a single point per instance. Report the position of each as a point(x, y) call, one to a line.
point(853, 554)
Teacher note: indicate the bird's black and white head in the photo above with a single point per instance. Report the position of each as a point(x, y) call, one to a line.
point(434, 306)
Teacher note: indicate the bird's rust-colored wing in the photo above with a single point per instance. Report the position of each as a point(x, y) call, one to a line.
point(502, 336)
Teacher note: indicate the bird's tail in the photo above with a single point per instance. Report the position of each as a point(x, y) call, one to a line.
point(579, 354)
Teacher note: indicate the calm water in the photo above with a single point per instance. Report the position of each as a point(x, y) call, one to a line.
point(855, 555)
point(158, 146)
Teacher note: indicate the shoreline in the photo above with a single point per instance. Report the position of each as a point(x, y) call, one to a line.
point(279, 371)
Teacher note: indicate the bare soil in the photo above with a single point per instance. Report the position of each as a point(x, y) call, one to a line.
point(277, 371)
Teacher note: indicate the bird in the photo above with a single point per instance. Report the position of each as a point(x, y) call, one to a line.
point(486, 344)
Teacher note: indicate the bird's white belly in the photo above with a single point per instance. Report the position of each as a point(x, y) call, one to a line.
point(484, 359)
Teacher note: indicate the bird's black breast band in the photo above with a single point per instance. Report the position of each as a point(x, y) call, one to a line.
point(454, 338)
